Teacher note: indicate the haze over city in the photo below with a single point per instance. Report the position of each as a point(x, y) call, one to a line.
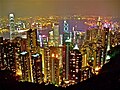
point(59, 7)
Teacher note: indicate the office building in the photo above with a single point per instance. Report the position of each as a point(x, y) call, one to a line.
point(54, 65)
point(75, 64)
point(1, 53)
point(66, 31)
point(32, 40)
point(12, 26)
point(25, 66)
point(47, 65)
point(37, 68)
point(51, 39)
point(56, 34)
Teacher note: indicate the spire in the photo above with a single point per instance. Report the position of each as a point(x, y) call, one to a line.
point(99, 21)
point(76, 47)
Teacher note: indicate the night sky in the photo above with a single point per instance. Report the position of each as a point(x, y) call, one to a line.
point(59, 7)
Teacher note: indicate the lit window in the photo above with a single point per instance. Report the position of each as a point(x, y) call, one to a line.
point(73, 75)
point(76, 70)
point(73, 65)
point(76, 77)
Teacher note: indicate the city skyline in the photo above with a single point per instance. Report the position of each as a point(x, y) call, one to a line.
point(55, 50)
point(59, 7)
point(60, 42)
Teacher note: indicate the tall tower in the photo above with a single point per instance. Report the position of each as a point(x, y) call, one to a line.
point(32, 39)
point(56, 34)
point(51, 39)
point(25, 66)
point(75, 64)
point(54, 65)
point(66, 32)
point(12, 26)
point(1, 53)
point(99, 24)
point(37, 68)
point(108, 45)
point(46, 64)
point(31, 46)
point(67, 42)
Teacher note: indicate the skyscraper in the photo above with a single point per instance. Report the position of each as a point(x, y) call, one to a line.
point(54, 65)
point(37, 68)
point(32, 39)
point(46, 64)
point(12, 26)
point(51, 39)
point(1, 53)
point(56, 34)
point(75, 64)
point(66, 32)
point(25, 66)
point(9, 55)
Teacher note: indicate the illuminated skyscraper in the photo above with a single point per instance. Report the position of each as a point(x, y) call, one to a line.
point(32, 39)
point(51, 39)
point(23, 44)
point(99, 24)
point(37, 68)
point(9, 54)
point(12, 26)
point(64, 63)
point(53, 62)
point(45, 40)
point(75, 64)
point(104, 43)
point(40, 40)
point(54, 65)
point(17, 50)
point(108, 45)
point(31, 47)
point(56, 34)
point(25, 66)
point(1, 53)
point(66, 32)
point(61, 40)
point(67, 53)
point(46, 64)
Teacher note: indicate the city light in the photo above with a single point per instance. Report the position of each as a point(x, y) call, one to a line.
point(53, 55)
point(23, 53)
point(56, 55)
point(19, 73)
point(56, 49)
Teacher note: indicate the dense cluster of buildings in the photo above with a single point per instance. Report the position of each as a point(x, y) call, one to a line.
point(54, 57)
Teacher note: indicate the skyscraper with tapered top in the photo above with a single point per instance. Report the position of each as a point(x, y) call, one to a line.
point(75, 64)
point(12, 25)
